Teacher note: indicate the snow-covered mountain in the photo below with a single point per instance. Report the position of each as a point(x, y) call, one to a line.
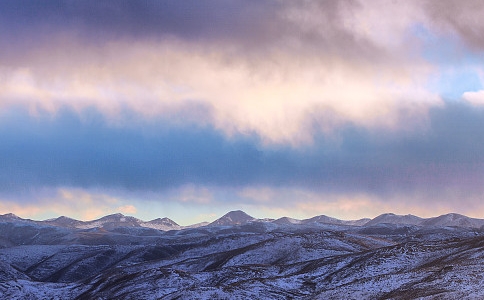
point(236, 217)
point(161, 224)
point(453, 220)
point(239, 257)
point(322, 219)
point(239, 217)
point(395, 219)
point(63, 221)
point(112, 221)
point(329, 220)
point(286, 220)
point(107, 222)
point(9, 217)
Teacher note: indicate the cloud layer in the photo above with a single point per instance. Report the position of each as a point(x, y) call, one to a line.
point(346, 99)
point(260, 66)
point(85, 151)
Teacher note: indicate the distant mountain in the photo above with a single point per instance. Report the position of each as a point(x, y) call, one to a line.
point(112, 221)
point(39, 260)
point(197, 225)
point(161, 224)
point(239, 217)
point(108, 222)
point(119, 218)
point(359, 222)
point(395, 219)
point(63, 221)
point(322, 219)
point(286, 221)
point(236, 217)
point(9, 218)
point(453, 219)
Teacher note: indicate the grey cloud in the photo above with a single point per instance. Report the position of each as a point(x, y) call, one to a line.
point(66, 151)
point(254, 29)
point(463, 17)
point(242, 28)
point(114, 19)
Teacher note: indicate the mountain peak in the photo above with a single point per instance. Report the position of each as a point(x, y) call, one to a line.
point(236, 212)
point(161, 224)
point(235, 217)
point(454, 216)
point(395, 219)
point(322, 219)
point(163, 221)
point(454, 219)
point(286, 221)
point(62, 218)
point(116, 215)
point(10, 216)
point(64, 222)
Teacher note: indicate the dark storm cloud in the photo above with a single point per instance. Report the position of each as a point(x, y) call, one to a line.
point(111, 19)
point(302, 28)
point(65, 151)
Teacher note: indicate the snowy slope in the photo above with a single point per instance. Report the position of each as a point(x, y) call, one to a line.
point(395, 219)
point(282, 259)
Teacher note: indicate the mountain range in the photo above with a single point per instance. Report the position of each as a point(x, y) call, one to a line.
point(239, 217)
point(240, 257)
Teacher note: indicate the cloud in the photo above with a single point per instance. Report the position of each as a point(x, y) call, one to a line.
point(127, 209)
point(248, 25)
point(238, 98)
point(107, 19)
point(299, 202)
point(68, 151)
point(47, 202)
point(331, 97)
point(256, 66)
point(87, 152)
point(461, 18)
point(474, 98)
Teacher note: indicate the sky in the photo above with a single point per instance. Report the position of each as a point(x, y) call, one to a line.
point(190, 109)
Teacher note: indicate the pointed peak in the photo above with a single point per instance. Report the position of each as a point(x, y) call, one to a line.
point(235, 217)
point(237, 213)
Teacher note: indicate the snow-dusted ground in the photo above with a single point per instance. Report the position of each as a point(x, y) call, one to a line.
point(258, 259)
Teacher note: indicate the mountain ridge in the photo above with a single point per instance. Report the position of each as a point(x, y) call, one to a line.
point(256, 258)
point(239, 217)
point(240, 257)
